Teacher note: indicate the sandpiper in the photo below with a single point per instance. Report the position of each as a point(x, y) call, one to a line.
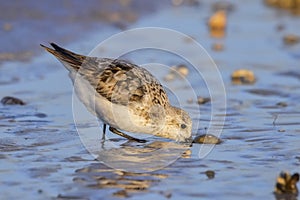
point(124, 96)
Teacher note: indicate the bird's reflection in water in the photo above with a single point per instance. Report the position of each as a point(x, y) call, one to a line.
point(115, 182)
point(129, 168)
point(125, 155)
point(134, 157)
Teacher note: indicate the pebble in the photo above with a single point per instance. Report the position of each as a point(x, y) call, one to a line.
point(203, 100)
point(282, 104)
point(218, 47)
point(179, 70)
point(210, 174)
point(207, 139)
point(182, 70)
point(40, 115)
point(218, 20)
point(243, 76)
point(281, 130)
point(291, 39)
point(8, 100)
point(217, 24)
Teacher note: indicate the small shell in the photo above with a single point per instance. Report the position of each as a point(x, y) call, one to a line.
point(207, 139)
point(218, 20)
point(291, 39)
point(177, 71)
point(210, 174)
point(12, 101)
point(180, 70)
point(203, 100)
point(243, 76)
point(217, 24)
point(286, 183)
point(281, 104)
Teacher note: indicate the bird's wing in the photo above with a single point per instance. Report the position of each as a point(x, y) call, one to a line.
point(119, 81)
point(122, 83)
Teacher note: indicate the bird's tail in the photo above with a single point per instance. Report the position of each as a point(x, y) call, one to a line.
point(71, 60)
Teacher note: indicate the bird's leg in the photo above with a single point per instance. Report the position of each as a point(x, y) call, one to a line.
point(125, 135)
point(103, 133)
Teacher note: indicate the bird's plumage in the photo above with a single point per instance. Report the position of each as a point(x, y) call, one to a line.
point(126, 86)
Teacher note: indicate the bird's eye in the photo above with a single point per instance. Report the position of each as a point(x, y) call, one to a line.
point(183, 126)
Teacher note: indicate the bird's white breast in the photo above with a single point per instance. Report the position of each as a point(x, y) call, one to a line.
point(115, 115)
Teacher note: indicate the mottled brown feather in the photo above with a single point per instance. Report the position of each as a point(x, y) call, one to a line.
point(118, 81)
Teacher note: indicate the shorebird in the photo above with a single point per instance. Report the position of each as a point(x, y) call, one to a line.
point(124, 96)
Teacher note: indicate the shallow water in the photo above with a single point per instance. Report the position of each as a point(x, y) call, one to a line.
point(42, 156)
